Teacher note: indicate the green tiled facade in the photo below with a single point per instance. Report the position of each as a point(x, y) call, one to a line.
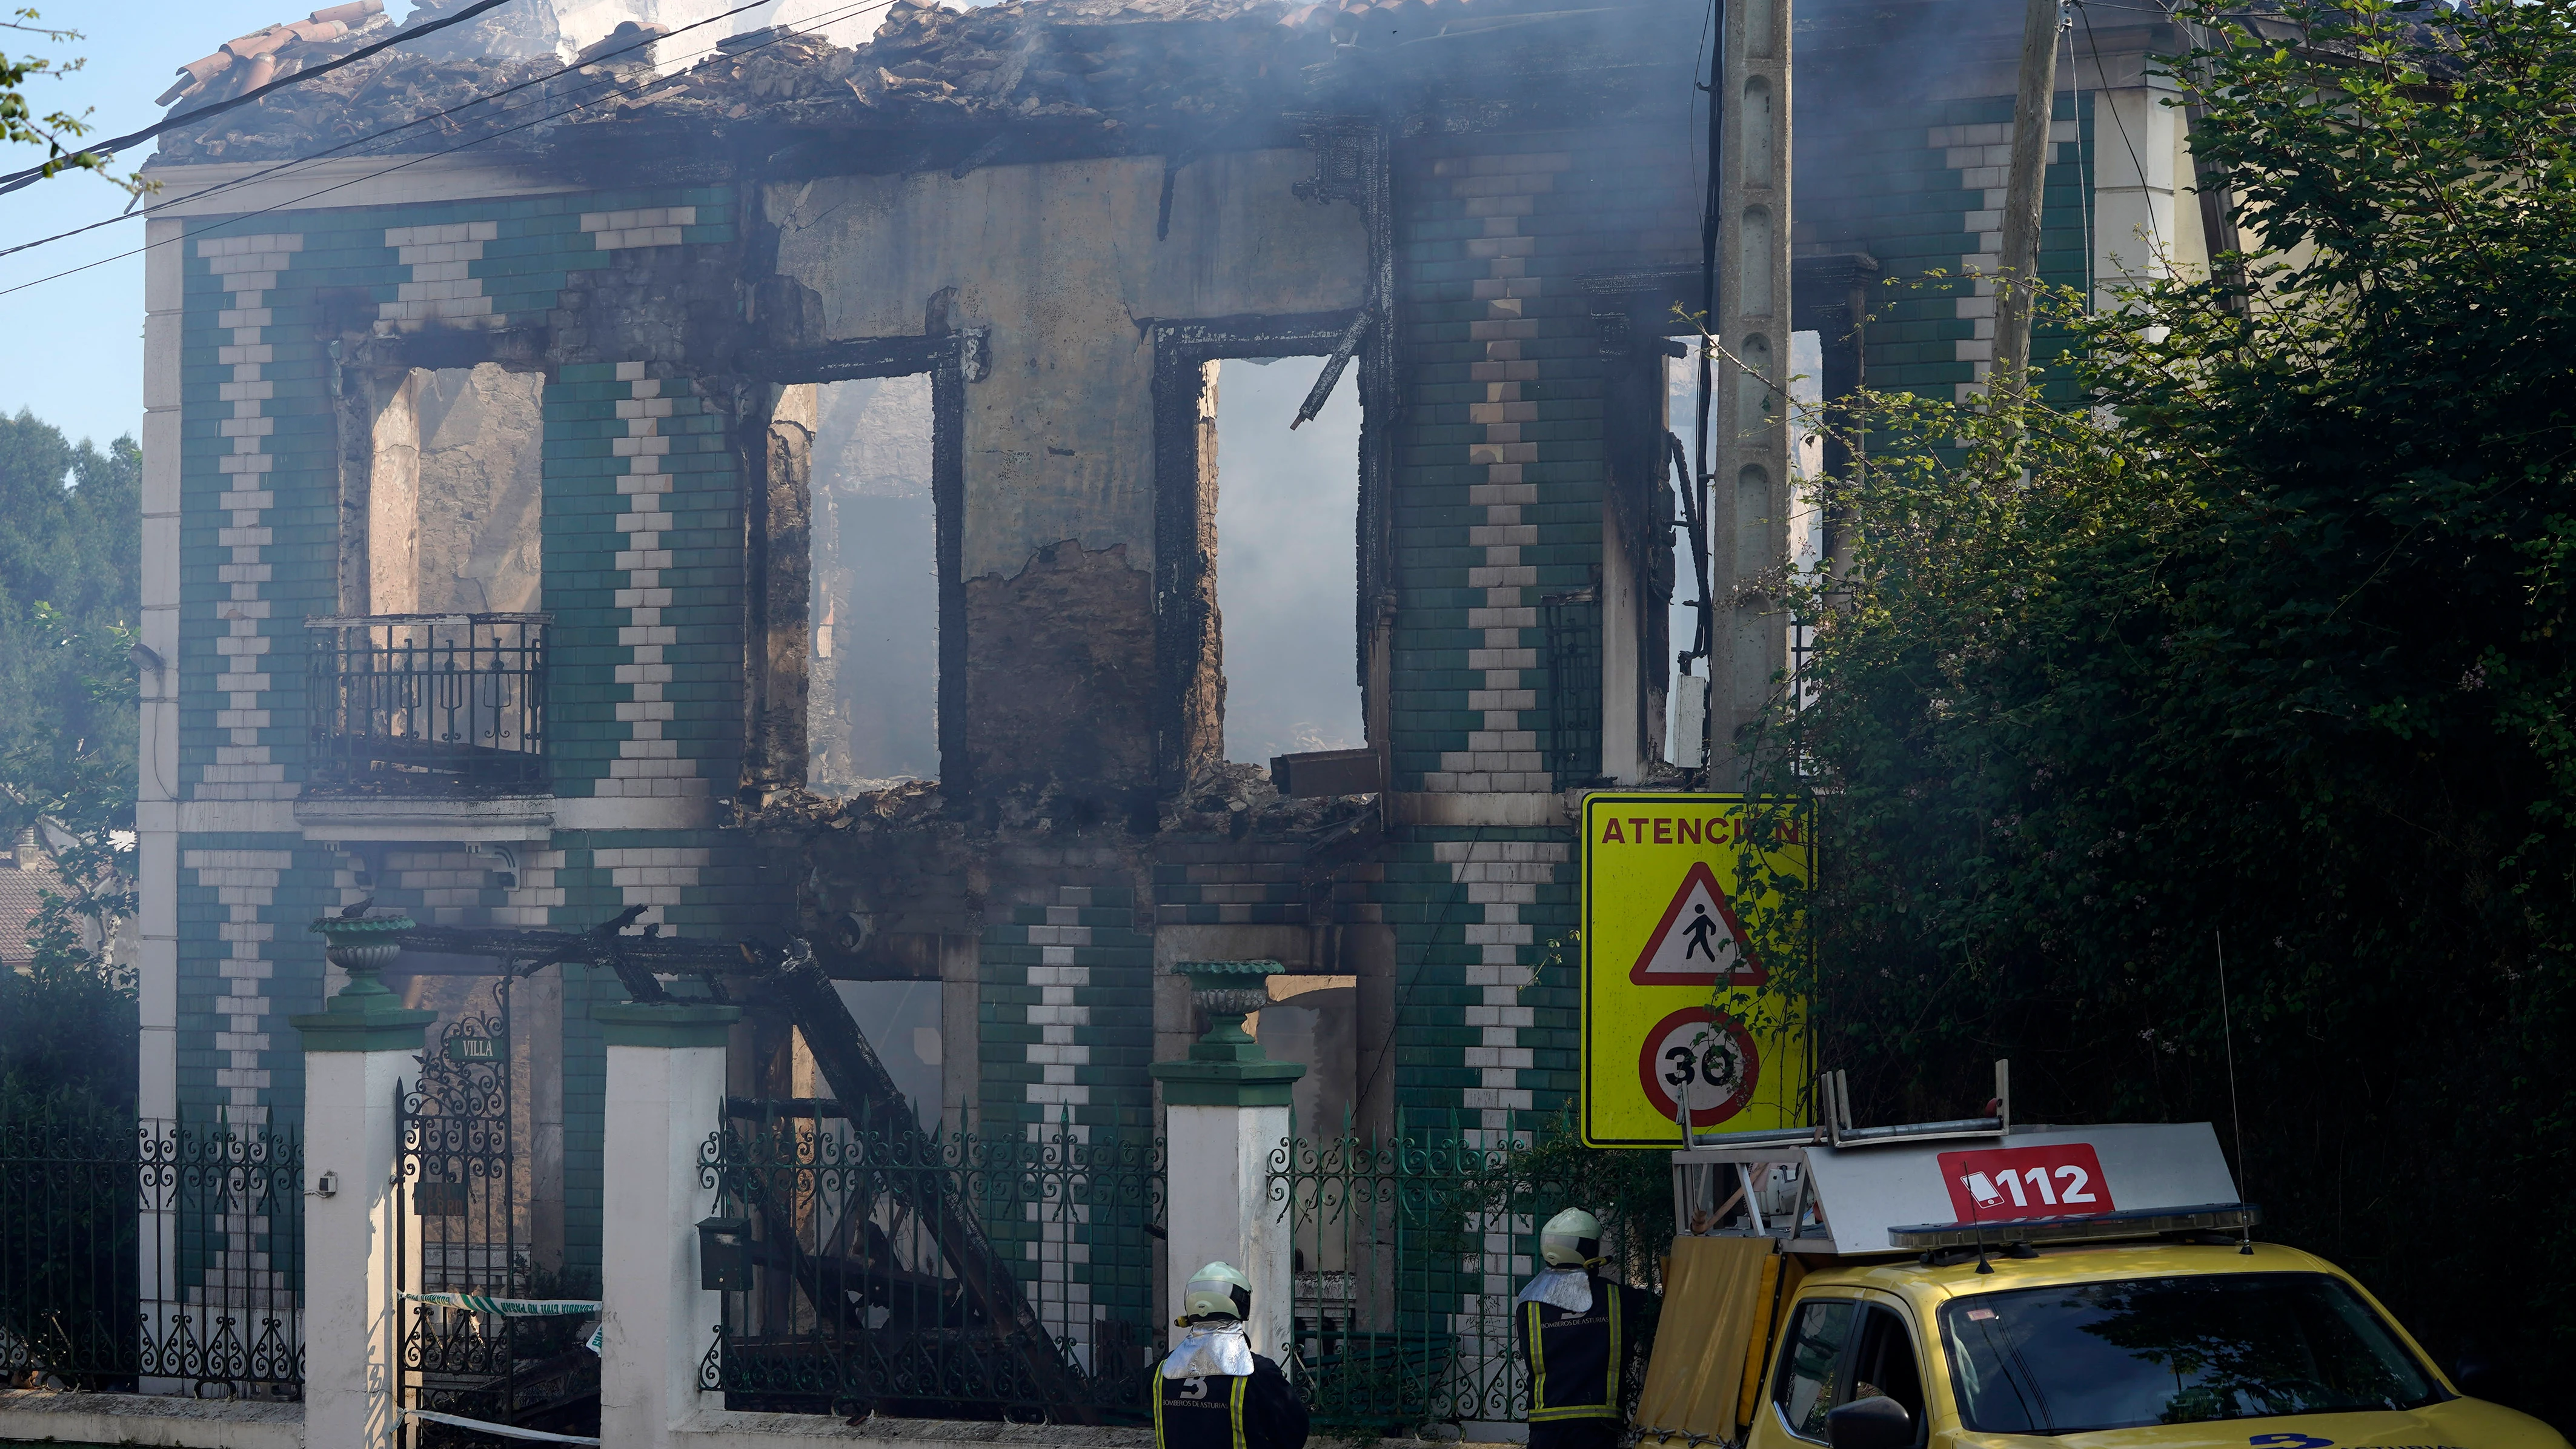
point(1498, 505)
point(643, 580)
point(1897, 193)
point(1066, 1019)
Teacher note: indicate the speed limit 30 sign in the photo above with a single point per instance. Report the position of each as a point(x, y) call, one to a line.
point(1704, 1058)
point(1680, 1018)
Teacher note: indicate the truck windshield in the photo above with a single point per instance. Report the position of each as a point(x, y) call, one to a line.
point(2090, 1356)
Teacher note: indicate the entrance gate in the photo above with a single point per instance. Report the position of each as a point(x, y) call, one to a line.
point(462, 1224)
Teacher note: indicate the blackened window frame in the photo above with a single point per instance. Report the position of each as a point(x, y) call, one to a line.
point(778, 557)
point(1185, 736)
point(365, 367)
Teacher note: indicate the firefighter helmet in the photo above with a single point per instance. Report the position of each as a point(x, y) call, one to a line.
point(1219, 1290)
point(1571, 1239)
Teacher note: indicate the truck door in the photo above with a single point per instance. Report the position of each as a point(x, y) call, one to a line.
point(1835, 1350)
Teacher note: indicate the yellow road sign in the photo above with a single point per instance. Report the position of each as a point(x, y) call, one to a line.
point(1678, 1002)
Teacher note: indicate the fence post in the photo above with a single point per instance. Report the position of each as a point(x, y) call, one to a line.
point(358, 1061)
point(666, 1082)
point(1226, 1112)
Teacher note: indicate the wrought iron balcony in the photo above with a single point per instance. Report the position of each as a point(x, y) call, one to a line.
point(429, 704)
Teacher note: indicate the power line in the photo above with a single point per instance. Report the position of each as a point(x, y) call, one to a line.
point(2155, 232)
point(106, 149)
point(614, 92)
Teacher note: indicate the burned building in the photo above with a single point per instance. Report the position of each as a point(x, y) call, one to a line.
point(770, 481)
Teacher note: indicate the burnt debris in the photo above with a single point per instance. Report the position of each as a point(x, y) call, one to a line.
point(1019, 80)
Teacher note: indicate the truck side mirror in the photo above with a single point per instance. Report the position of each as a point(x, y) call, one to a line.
point(1877, 1422)
point(2480, 1375)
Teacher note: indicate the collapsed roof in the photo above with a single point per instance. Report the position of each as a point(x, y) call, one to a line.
point(1091, 75)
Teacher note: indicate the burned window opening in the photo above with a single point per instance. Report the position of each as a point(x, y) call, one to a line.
point(1831, 299)
point(1685, 736)
point(1189, 707)
point(1807, 489)
point(1649, 587)
point(430, 679)
point(453, 491)
point(782, 616)
point(901, 1021)
point(872, 667)
point(1286, 566)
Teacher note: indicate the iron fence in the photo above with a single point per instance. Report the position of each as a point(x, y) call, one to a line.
point(152, 1259)
point(463, 1225)
point(958, 1275)
point(428, 703)
point(1408, 1251)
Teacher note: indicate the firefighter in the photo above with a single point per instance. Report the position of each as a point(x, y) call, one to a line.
point(1214, 1392)
point(1577, 1332)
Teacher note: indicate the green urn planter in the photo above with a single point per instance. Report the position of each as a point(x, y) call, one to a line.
point(1228, 991)
point(364, 1015)
point(363, 947)
point(1225, 1067)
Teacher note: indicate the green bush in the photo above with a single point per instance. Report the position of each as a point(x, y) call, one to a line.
point(2267, 647)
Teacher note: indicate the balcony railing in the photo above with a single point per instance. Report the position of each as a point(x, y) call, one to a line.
point(429, 703)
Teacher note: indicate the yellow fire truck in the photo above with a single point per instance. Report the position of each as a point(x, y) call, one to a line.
point(1978, 1284)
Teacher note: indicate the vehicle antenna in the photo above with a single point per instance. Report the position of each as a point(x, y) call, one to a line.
point(1977, 1220)
point(2236, 1114)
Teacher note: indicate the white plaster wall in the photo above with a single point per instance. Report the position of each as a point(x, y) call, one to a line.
point(352, 1317)
point(1061, 261)
point(1620, 757)
point(2137, 143)
point(1218, 1207)
point(58, 1417)
point(157, 766)
point(655, 1321)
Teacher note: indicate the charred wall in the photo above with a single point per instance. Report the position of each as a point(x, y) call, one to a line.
point(1060, 684)
point(1071, 271)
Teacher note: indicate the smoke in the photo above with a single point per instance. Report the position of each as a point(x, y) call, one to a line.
point(584, 22)
point(872, 692)
point(1287, 573)
point(1806, 464)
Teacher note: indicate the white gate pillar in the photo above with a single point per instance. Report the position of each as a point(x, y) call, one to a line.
point(358, 1061)
point(666, 1083)
point(1226, 1111)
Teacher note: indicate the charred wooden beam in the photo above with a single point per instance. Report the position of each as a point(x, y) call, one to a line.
point(856, 1075)
point(794, 980)
point(534, 950)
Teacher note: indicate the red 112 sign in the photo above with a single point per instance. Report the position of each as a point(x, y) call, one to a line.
point(2061, 1180)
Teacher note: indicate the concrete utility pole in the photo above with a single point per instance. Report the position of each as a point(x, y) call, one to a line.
point(2022, 191)
point(1749, 497)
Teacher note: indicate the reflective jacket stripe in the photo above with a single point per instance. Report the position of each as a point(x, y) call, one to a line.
point(1538, 1363)
point(1542, 1411)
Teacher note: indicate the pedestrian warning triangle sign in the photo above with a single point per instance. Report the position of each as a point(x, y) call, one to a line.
point(1699, 942)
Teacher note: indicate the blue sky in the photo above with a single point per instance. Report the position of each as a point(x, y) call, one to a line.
point(74, 350)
